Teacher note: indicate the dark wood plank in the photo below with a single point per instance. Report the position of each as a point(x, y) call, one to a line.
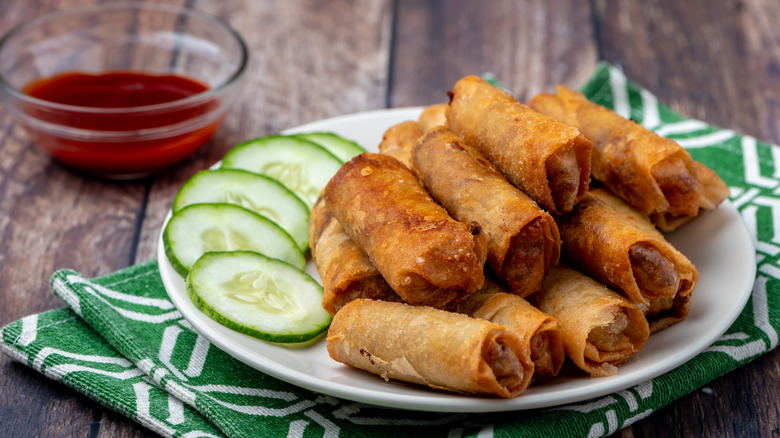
point(529, 46)
point(711, 61)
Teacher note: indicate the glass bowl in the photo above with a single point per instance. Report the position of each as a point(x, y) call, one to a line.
point(151, 40)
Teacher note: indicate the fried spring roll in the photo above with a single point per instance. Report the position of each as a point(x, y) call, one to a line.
point(652, 173)
point(538, 331)
point(713, 191)
point(548, 160)
point(345, 271)
point(319, 218)
point(600, 328)
point(618, 246)
point(433, 116)
point(523, 240)
point(432, 347)
point(347, 275)
point(427, 257)
point(399, 139)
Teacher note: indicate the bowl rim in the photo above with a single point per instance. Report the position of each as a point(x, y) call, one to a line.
point(129, 5)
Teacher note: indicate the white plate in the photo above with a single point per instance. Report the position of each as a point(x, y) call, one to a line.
point(717, 243)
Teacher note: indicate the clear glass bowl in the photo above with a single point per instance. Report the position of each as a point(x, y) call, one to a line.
point(152, 39)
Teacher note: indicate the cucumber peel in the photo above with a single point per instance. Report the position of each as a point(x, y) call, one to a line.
point(302, 166)
point(259, 193)
point(200, 228)
point(339, 146)
point(258, 296)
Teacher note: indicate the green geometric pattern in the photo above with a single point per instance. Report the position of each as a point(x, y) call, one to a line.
point(121, 342)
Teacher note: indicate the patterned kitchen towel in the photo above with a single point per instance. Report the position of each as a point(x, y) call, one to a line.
point(123, 343)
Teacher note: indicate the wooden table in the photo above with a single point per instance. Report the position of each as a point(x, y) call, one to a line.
point(715, 61)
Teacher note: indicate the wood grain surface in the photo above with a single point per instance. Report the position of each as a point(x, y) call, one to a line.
point(716, 61)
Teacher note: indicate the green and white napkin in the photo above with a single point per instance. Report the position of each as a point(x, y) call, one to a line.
point(121, 342)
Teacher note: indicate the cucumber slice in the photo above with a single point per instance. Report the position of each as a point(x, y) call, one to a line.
point(301, 165)
point(199, 228)
point(259, 193)
point(337, 145)
point(258, 296)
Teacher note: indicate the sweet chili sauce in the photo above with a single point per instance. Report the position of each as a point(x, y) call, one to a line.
point(121, 93)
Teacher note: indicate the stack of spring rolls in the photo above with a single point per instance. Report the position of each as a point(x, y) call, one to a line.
point(490, 240)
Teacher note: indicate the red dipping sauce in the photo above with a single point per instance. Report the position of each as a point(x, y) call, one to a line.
point(113, 90)
point(124, 124)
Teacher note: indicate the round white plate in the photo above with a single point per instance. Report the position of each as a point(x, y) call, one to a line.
point(717, 243)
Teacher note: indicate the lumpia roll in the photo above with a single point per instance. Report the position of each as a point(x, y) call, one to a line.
point(712, 191)
point(600, 329)
point(399, 139)
point(618, 246)
point(427, 257)
point(345, 270)
point(548, 160)
point(523, 240)
point(652, 173)
point(661, 312)
point(319, 218)
point(433, 116)
point(538, 331)
point(437, 348)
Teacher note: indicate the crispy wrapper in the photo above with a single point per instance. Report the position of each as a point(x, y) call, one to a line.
point(523, 240)
point(652, 173)
point(548, 160)
point(433, 116)
point(538, 331)
point(713, 190)
point(427, 257)
point(319, 218)
point(399, 139)
point(600, 328)
point(345, 271)
point(437, 348)
point(618, 246)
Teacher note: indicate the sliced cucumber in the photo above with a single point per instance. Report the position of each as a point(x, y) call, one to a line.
point(259, 193)
point(199, 228)
point(337, 145)
point(301, 165)
point(258, 296)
